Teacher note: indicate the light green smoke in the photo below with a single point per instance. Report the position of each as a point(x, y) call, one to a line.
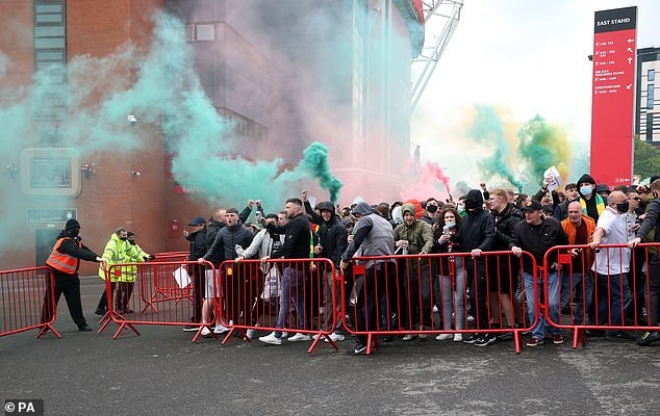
point(543, 145)
point(316, 161)
point(488, 129)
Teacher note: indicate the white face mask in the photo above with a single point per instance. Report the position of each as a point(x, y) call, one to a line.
point(586, 190)
point(451, 224)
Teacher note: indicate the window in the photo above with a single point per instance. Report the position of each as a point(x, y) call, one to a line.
point(50, 172)
point(649, 96)
point(650, 75)
point(204, 32)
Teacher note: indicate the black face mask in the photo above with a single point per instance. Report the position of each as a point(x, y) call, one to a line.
point(123, 238)
point(432, 208)
point(470, 204)
point(74, 232)
point(132, 242)
point(623, 207)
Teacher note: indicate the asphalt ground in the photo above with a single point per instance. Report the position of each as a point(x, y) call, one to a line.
point(161, 372)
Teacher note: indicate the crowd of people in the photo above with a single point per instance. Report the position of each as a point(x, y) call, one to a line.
point(610, 286)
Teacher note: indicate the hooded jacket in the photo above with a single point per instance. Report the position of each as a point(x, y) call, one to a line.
point(118, 251)
point(373, 234)
point(419, 234)
point(477, 229)
point(332, 234)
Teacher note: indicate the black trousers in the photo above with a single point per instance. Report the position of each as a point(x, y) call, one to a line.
point(69, 285)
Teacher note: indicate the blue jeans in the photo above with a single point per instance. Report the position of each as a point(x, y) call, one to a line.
point(293, 289)
point(613, 297)
point(582, 290)
point(538, 331)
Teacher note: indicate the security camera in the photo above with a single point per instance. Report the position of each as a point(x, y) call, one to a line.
point(131, 120)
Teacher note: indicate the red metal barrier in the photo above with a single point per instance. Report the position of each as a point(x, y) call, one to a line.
point(173, 304)
point(167, 288)
point(409, 288)
point(27, 301)
point(301, 286)
point(610, 301)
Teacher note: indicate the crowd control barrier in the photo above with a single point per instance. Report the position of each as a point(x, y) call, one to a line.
point(27, 301)
point(616, 300)
point(149, 293)
point(301, 294)
point(167, 289)
point(416, 296)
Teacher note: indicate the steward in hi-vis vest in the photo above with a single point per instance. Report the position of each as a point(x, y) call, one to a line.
point(64, 261)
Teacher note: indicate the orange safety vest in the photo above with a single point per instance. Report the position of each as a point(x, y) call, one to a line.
point(63, 262)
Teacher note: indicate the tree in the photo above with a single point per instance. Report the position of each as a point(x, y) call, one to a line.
point(646, 159)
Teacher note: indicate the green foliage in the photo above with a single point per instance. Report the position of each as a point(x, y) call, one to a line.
point(646, 159)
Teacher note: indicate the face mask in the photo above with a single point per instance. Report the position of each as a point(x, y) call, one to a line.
point(623, 208)
point(586, 190)
point(450, 224)
point(123, 238)
point(470, 204)
point(132, 242)
point(460, 208)
point(432, 208)
point(74, 232)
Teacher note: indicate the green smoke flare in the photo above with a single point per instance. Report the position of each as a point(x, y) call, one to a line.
point(488, 129)
point(316, 161)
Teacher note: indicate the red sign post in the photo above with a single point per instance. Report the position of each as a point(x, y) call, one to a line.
point(613, 99)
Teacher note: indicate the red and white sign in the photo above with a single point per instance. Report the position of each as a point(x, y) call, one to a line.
point(613, 100)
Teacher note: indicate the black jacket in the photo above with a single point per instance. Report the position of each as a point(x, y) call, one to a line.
point(477, 229)
point(537, 240)
point(332, 234)
point(504, 223)
point(224, 244)
point(211, 233)
point(297, 239)
point(197, 244)
point(651, 221)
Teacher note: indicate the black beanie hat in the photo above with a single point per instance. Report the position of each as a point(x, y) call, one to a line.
point(71, 224)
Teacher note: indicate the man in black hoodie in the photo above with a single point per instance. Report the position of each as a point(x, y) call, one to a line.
point(64, 262)
point(332, 244)
point(476, 235)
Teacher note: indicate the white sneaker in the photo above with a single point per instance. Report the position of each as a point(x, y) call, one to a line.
point(458, 338)
point(206, 332)
point(444, 337)
point(250, 333)
point(271, 339)
point(335, 337)
point(300, 337)
point(285, 335)
point(220, 329)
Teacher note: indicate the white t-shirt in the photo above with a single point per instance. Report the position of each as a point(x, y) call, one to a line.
point(613, 260)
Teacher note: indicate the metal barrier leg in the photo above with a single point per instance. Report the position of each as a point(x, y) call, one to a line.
point(48, 327)
point(517, 341)
point(199, 332)
point(122, 327)
point(579, 338)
